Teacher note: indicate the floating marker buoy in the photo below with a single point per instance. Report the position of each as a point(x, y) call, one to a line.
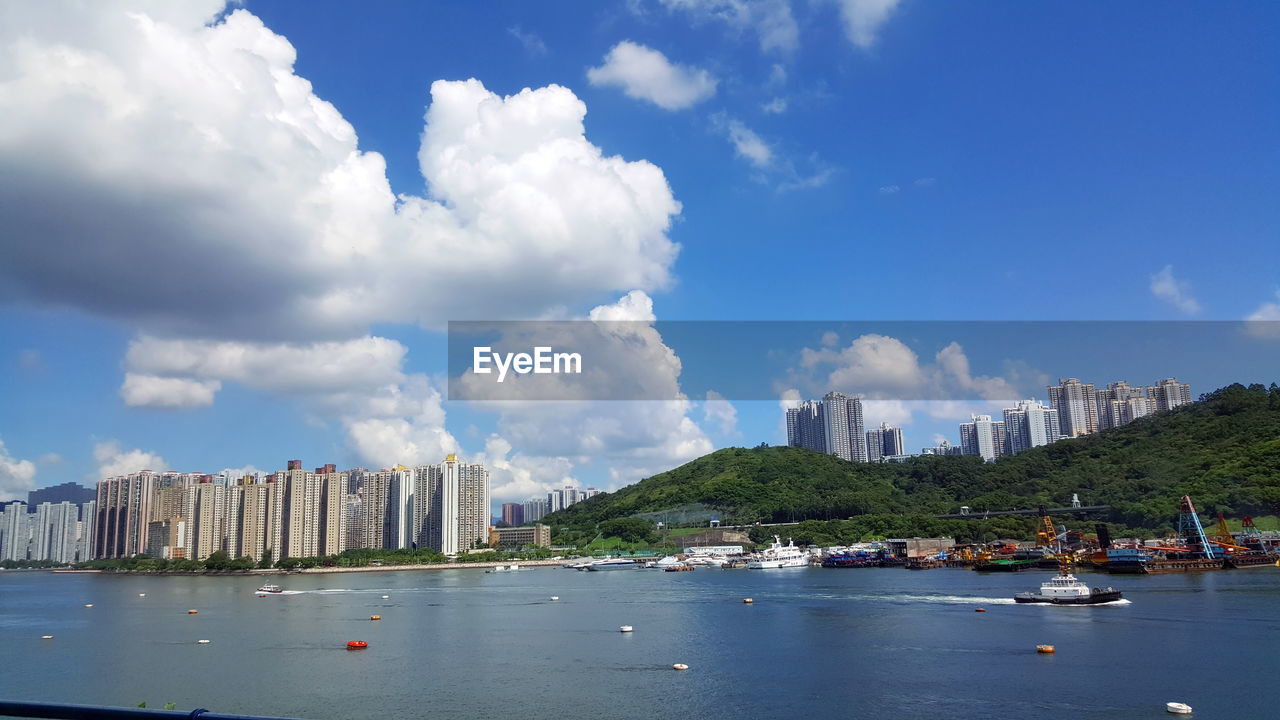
point(375, 617)
point(1178, 708)
point(192, 612)
point(88, 604)
point(142, 594)
point(46, 637)
point(203, 642)
point(625, 628)
point(555, 597)
point(1044, 649)
point(384, 597)
point(980, 610)
point(747, 601)
point(357, 645)
point(680, 666)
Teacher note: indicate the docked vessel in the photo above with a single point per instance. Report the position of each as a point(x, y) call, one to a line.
point(1065, 589)
point(779, 556)
point(613, 564)
point(269, 588)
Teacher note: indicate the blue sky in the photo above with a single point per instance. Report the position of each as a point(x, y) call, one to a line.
point(830, 160)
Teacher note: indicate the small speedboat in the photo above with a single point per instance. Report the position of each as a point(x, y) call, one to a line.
point(269, 588)
point(1178, 708)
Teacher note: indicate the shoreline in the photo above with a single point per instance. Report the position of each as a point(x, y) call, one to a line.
point(314, 571)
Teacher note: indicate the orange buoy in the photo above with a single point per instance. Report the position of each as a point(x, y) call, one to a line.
point(357, 645)
point(980, 610)
point(1044, 649)
point(192, 612)
point(375, 617)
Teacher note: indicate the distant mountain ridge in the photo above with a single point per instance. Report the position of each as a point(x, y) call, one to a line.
point(1223, 450)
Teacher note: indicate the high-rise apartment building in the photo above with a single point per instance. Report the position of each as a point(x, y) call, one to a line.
point(983, 436)
point(1030, 424)
point(805, 427)
point(1121, 404)
point(53, 532)
point(124, 511)
point(458, 519)
point(533, 510)
point(833, 426)
point(1077, 406)
point(1169, 394)
point(885, 441)
point(512, 514)
point(15, 532)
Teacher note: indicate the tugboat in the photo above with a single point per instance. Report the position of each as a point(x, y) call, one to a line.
point(1065, 589)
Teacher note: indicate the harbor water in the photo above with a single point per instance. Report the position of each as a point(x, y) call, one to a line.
point(814, 643)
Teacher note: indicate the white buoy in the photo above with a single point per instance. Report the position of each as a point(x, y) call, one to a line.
point(203, 642)
point(1178, 708)
point(386, 597)
point(88, 604)
point(680, 666)
point(555, 597)
point(46, 637)
point(625, 628)
point(142, 594)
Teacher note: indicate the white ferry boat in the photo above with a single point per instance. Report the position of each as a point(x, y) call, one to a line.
point(779, 556)
point(614, 564)
point(1065, 589)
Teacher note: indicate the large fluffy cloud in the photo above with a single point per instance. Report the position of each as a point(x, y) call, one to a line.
point(646, 74)
point(167, 167)
point(114, 460)
point(16, 476)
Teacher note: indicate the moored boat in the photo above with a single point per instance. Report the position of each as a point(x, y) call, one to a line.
point(779, 556)
point(612, 564)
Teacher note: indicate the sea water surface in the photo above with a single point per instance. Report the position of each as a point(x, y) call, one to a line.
point(815, 643)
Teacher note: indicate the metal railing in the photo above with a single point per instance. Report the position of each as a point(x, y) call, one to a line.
point(66, 711)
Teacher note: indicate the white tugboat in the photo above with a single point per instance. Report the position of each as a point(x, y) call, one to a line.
point(1065, 589)
point(779, 556)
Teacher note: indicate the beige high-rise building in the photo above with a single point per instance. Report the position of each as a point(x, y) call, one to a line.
point(1077, 406)
point(300, 536)
point(1169, 394)
point(333, 515)
point(208, 515)
point(259, 513)
point(459, 514)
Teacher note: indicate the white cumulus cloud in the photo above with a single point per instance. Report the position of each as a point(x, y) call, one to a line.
point(114, 460)
point(163, 132)
point(1176, 292)
point(645, 74)
point(17, 477)
point(165, 392)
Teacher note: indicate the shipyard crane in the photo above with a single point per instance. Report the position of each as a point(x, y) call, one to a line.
point(1250, 535)
point(1222, 536)
point(1191, 532)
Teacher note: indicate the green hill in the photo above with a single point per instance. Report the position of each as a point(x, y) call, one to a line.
point(1223, 450)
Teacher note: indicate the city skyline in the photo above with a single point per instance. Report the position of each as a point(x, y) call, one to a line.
point(334, 190)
